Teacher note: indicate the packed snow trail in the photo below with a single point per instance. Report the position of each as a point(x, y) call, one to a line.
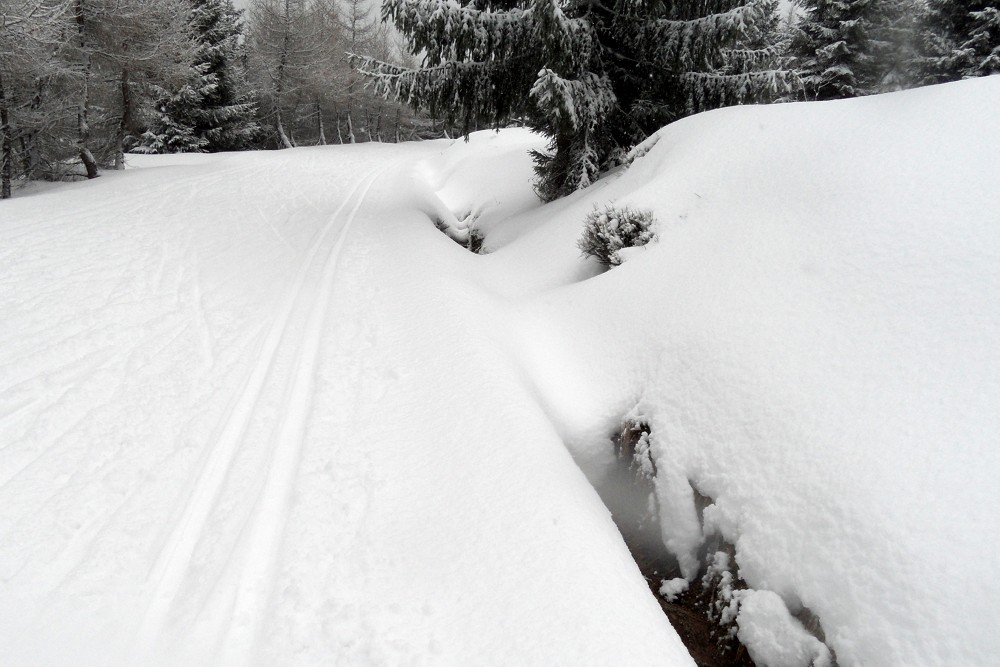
point(271, 508)
point(243, 423)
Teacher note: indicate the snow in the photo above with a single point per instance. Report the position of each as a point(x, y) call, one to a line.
point(773, 637)
point(671, 588)
point(256, 409)
point(813, 342)
point(243, 423)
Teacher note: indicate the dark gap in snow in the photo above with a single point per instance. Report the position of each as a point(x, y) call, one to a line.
point(628, 492)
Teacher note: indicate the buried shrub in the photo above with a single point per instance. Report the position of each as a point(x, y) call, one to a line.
point(632, 448)
point(607, 232)
point(472, 240)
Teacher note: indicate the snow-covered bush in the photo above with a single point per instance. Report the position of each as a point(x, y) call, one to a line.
point(632, 447)
point(470, 238)
point(606, 233)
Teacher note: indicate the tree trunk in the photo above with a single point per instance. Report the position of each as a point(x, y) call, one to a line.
point(279, 91)
point(6, 146)
point(83, 113)
point(350, 127)
point(282, 136)
point(29, 147)
point(319, 122)
point(126, 120)
point(397, 126)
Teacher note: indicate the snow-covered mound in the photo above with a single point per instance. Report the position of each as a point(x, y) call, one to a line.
point(814, 341)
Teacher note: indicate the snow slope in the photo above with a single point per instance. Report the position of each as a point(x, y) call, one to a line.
point(255, 409)
point(814, 342)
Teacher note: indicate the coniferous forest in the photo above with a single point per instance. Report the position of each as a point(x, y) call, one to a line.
point(83, 82)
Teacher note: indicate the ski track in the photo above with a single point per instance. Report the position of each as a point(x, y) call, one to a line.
point(140, 293)
point(265, 524)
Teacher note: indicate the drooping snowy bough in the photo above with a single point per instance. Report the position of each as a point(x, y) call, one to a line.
point(594, 78)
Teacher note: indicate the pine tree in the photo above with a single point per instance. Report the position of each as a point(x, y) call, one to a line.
point(214, 110)
point(962, 39)
point(594, 78)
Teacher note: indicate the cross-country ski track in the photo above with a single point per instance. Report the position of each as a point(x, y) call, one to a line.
point(211, 398)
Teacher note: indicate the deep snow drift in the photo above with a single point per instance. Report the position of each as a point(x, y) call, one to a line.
point(255, 408)
point(814, 342)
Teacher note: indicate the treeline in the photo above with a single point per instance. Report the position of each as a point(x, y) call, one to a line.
point(597, 77)
point(849, 48)
point(83, 82)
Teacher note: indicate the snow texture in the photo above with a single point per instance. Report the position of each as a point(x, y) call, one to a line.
point(244, 423)
point(671, 588)
point(813, 343)
point(256, 409)
point(773, 637)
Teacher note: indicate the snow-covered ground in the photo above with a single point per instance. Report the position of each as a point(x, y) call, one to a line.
point(256, 409)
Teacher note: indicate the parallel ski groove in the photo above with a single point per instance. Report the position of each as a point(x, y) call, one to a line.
point(268, 523)
point(170, 569)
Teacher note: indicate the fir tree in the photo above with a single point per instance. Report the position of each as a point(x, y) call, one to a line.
point(214, 110)
point(834, 48)
point(173, 127)
point(594, 78)
point(962, 39)
point(897, 44)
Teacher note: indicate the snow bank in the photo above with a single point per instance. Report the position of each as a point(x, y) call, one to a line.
point(814, 343)
point(482, 180)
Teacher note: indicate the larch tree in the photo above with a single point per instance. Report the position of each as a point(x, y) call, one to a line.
point(362, 34)
point(328, 77)
point(35, 88)
point(594, 78)
point(298, 60)
point(285, 45)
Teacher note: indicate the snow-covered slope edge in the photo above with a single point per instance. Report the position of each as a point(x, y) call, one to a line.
point(814, 342)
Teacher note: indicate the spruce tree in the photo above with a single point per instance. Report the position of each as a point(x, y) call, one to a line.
point(897, 44)
point(962, 39)
point(594, 78)
point(835, 49)
point(172, 129)
point(214, 110)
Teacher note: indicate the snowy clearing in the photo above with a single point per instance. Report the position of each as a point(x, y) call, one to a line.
point(256, 409)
